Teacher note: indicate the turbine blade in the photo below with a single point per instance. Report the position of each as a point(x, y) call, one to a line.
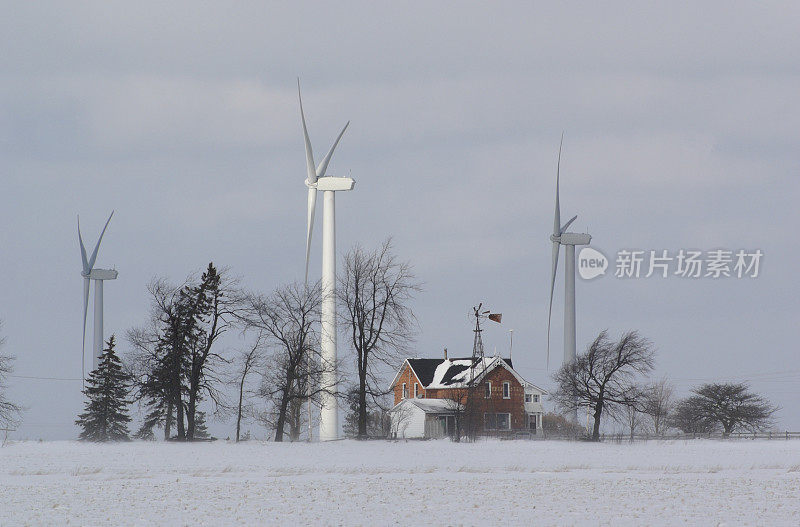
point(96, 247)
point(84, 260)
point(566, 225)
point(557, 219)
point(312, 206)
point(311, 172)
point(85, 309)
point(556, 246)
point(323, 166)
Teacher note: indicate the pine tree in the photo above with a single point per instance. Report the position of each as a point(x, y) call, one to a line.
point(200, 428)
point(106, 413)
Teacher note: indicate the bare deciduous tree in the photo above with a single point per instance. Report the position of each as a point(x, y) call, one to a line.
point(175, 361)
point(376, 290)
point(246, 362)
point(400, 417)
point(461, 403)
point(605, 375)
point(293, 366)
point(630, 416)
point(731, 406)
point(687, 418)
point(9, 412)
point(658, 404)
point(216, 302)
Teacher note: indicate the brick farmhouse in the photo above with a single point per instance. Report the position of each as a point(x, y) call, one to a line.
point(427, 394)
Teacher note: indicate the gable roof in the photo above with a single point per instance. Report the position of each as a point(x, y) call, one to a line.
point(456, 373)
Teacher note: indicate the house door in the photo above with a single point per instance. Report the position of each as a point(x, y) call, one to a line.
point(532, 422)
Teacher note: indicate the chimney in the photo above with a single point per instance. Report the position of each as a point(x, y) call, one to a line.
point(445, 354)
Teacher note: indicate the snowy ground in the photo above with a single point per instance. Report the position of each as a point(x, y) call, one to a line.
point(383, 483)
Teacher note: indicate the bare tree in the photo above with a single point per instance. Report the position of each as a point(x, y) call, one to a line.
point(246, 362)
point(293, 365)
point(9, 412)
point(175, 361)
point(687, 418)
point(400, 417)
point(378, 416)
point(630, 416)
point(658, 404)
point(376, 290)
point(216, 302)
point(605, 375)
point(732, 406)
point(461, 405)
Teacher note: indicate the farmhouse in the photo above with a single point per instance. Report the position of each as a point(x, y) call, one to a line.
point(430, 397)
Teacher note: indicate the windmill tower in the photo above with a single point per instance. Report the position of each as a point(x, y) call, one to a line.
point(478, 354)
point(569, 240)
point(89, 273)
point(316, 181)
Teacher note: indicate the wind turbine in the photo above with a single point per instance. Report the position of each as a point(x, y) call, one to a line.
point(317, 181)
point(98, 275)
point(569, 240)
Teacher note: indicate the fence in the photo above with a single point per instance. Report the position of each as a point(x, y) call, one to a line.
point(620, 438)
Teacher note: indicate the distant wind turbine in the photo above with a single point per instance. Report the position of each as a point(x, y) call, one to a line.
point(98, 275)
point(317, 181)
point(569, 240)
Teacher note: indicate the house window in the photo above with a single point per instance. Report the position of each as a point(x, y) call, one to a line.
point(536, 398)
point(528, 398)
point(416, 390)
point(497, 421)
point(504, 421)
point(506, 390)
point(488, 393)
point(405, 391)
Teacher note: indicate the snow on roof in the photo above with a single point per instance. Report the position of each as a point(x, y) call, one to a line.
point(457, 372)
point(429, 406)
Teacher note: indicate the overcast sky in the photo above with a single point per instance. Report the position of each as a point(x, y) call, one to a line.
point(681, 127)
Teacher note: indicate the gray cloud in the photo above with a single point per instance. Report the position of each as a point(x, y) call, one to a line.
point(680, 121)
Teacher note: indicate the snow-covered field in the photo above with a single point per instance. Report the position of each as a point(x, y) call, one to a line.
point(384, 483)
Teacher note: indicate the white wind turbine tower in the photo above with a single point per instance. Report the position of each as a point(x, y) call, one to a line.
point(569, 240)
point(317, 181)
point(98, 275)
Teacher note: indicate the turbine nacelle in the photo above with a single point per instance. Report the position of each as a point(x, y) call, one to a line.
point(572, 238)
point(336, 184)
point(102, 274)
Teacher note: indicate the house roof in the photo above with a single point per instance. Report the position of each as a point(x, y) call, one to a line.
point(430, 406)
point(425, 369)
point(457, 372)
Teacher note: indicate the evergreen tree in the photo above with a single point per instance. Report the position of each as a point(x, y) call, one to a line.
point(200, 428)
point(106, 414)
